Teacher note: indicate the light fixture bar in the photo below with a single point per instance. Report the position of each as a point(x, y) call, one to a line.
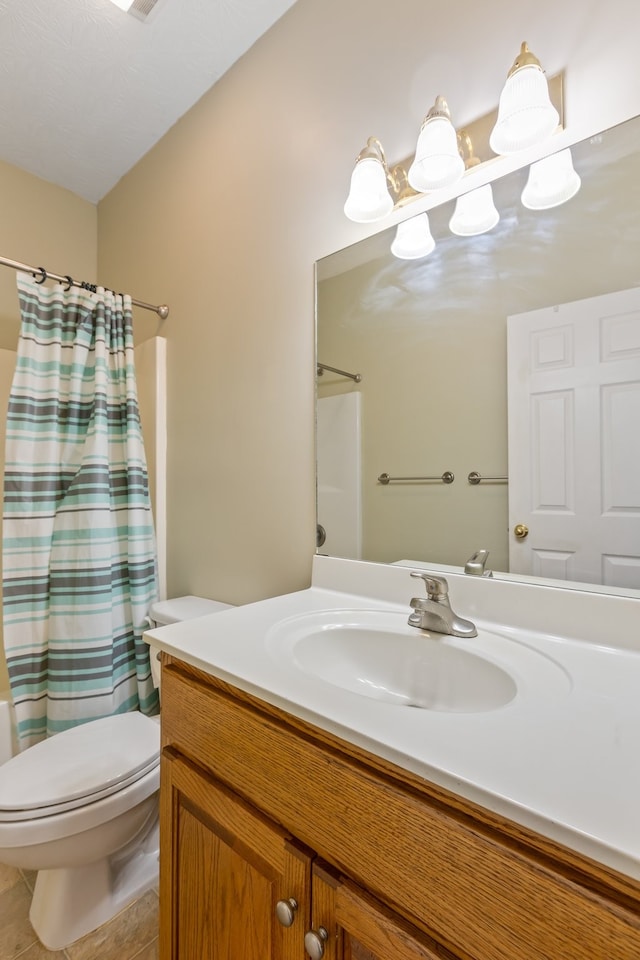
point(479, 130)
point(367, 205)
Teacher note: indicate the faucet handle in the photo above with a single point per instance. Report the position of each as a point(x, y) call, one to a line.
point(437, 587)
point(476, 563)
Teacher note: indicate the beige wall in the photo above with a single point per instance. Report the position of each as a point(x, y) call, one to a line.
point(225, 217)
point(41, 225)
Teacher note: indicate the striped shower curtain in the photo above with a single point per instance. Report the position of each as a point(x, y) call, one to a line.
point(79, 563)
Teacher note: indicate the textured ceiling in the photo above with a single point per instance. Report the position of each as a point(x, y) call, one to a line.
point(86, 89)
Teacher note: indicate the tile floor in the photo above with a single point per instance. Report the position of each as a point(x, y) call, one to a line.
point(132, 935)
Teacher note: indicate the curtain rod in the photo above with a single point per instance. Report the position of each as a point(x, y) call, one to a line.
point(162, 310)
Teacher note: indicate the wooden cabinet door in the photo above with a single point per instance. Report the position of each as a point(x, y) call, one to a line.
point(223, 869)
point(358, 927)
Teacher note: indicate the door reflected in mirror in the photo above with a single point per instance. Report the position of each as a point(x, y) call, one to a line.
point(512, 357)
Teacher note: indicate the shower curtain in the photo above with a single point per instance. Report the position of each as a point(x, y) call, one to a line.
point(79, 561)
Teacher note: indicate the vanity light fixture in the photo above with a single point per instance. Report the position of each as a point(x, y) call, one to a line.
point(413, 239)
point(437, 162)
point(551, 182)
point(369, 197)
point(475, 212)
point(376, 190)
point(526, 115)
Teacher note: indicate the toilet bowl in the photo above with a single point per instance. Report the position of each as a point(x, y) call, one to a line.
point(81, 808)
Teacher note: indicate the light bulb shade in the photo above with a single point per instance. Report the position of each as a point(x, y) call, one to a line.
point(369, 198)
point(551, 182)
point(413, 239)
point(123, 4)
point(475, 213)
point(526, 115)
point(437, 162)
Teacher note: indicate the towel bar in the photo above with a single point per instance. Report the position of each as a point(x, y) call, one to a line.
point(447, 477)
point(475, 478)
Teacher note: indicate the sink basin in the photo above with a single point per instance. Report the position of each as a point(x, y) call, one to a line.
point(377, 655)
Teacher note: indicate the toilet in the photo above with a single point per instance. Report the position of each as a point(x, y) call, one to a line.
point(81, 808)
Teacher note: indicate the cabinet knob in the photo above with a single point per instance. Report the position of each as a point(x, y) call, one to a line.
point(286, 911)
point(314, 941)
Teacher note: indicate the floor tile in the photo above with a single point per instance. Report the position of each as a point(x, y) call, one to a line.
point(37, 952)
point(30, 877)
point(149, 953)
point(122, 938)
point(9, 876)
point(16, 933)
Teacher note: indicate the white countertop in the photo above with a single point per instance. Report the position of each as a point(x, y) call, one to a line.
point(562, 759)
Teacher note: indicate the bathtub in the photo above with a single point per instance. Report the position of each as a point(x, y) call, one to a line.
point(7, 744)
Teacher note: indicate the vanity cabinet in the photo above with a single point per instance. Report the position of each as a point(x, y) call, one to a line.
point(242, 888)
point(259, 809)
point(229, 867)
point(357, 927)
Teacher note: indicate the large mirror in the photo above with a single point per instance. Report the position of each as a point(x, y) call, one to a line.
point(472, 362)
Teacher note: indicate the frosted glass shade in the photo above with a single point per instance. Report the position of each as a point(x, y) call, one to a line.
point(551, 182)
point(526, 115)
point(475, 213)
point(123, 4)
point(413, 239)
point(369, 198)
point(437, 162)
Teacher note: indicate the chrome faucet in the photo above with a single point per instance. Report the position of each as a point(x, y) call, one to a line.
point(434, 612)
point(476, 563)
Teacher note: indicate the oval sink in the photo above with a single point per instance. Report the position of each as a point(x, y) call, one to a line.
point(376, 654)
point(414, 671)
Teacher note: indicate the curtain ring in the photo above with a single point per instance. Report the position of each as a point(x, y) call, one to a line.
point(69, 283)
point(43, 275)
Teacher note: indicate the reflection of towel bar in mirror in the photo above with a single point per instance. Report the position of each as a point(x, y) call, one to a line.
point(447, 477)
point(475, 478)
point(341, 373)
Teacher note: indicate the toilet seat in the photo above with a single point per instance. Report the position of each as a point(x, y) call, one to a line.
point(79, 766)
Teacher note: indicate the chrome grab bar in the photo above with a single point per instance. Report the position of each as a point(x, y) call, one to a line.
point(447, 477)
point(342, 373)
point(475, 478)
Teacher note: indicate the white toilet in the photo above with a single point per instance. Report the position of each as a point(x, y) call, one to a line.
point(81, 808)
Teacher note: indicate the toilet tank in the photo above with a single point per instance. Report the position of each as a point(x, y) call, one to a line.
point(163, 612)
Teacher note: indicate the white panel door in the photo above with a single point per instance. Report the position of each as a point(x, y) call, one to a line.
point(574, 440)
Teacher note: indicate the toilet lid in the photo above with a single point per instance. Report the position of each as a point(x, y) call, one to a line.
point(79, 765)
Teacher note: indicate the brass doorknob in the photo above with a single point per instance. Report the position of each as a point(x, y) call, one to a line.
point(520, 531)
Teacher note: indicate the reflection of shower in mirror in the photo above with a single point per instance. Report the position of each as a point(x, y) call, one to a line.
point(339, 474)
